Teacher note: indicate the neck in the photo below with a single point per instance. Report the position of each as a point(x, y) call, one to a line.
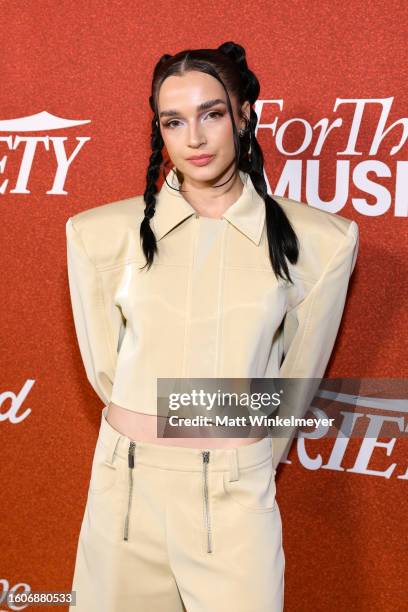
point(211, 201)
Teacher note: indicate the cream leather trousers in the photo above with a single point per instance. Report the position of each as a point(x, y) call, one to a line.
point(176, 529)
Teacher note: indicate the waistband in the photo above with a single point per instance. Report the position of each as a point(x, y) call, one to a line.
point(181, 457)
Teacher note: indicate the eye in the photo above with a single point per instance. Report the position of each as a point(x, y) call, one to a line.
point(215, 113)
point(170, 124)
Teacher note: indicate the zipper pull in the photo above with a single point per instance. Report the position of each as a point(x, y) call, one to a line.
point(206, 456)
point(131, 455)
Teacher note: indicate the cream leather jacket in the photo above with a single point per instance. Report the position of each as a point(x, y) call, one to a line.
point(211, 305)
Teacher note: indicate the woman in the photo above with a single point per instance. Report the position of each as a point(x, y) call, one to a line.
point(206, 277)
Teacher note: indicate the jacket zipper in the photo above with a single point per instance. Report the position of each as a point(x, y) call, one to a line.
point(131, 464)
point(206, 460)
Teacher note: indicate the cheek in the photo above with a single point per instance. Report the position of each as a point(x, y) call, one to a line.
point(172, 144)
point(222, 138)
point(224, 130)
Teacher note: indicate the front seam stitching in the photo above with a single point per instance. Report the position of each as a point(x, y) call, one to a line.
point(221, 285)
point(188, 297)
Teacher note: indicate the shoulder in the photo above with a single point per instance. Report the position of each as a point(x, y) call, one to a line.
point(108, 231)
point(307, 219)
point(118, 213)
point(321, 235)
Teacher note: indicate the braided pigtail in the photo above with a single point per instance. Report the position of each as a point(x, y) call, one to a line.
point(229, 66)
point(149, 243)
point(283, 244)
point(282, 239)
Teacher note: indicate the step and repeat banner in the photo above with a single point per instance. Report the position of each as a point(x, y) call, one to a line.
point(75, 133)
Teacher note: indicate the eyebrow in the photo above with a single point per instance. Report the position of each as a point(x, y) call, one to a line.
point(200, 107)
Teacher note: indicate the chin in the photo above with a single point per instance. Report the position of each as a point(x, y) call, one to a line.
point(207, 171)
point(211, 172)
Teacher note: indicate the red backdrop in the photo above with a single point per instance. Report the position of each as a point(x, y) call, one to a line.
point(91, 64)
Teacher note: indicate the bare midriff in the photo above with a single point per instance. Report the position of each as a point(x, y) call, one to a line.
point(145, 427)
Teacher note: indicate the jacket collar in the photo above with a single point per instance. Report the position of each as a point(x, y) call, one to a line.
point(247, 213)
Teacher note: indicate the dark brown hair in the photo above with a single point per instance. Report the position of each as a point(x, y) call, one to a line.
point(228, 65)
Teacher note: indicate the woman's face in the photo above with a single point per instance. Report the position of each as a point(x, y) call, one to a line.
point(188, 131)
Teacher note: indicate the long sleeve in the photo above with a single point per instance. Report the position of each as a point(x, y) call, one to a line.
point(97, 324)
point(310, 331)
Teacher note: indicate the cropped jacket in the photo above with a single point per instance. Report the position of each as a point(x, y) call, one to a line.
point(210, 306)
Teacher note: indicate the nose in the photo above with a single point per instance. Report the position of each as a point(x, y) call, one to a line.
point(195, 135)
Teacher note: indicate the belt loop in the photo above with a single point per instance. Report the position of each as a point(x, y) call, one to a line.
point(112, 453)
point(234, 469)
point(113, 440)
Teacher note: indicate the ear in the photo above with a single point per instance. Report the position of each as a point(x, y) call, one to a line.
point(246, 110)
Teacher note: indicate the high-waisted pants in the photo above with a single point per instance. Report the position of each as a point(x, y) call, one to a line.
point(179, 529)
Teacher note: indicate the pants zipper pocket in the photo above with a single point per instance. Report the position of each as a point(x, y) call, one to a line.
point(131, 464)
point(206, 460)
